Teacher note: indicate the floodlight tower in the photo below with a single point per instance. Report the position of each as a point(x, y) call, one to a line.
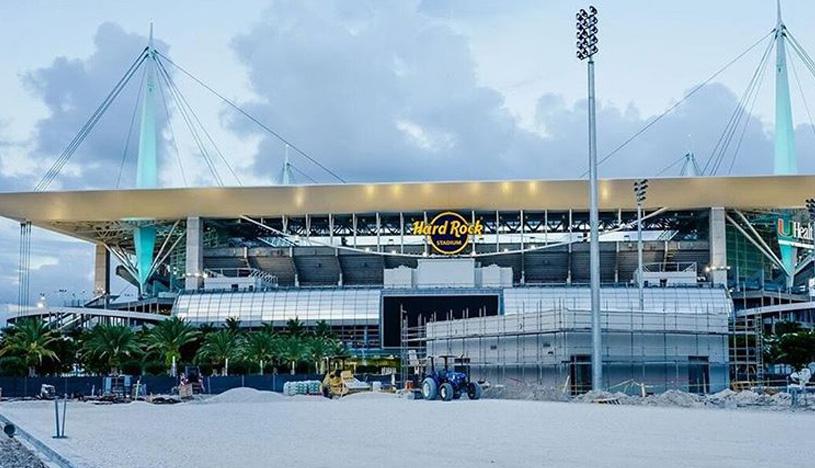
point(640, 187)
point(810, 202)
point(586, 48)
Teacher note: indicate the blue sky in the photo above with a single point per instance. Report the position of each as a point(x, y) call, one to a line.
point(381, 90)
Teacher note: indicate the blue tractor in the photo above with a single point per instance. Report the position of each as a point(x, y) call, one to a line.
point(448, 383)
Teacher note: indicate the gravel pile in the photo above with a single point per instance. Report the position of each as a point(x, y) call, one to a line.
point(522, 391)
point(670, 398)
point(677, 398)
point(15, 455)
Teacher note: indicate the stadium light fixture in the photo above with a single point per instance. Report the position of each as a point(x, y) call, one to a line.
point(811, 209)
point(586, 49)
point(586, 33)
point(640, 188)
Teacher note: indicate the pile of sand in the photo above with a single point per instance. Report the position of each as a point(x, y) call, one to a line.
point(244, 395)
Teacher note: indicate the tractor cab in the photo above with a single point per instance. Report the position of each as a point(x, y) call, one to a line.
point(448, 377)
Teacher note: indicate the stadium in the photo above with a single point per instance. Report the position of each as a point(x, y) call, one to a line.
point(348, 254)
point(495, 272)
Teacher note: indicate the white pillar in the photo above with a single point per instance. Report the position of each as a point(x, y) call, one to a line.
point(195, 254)
point(718, 247)
point(101, 270)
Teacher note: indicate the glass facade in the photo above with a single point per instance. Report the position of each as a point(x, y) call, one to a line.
point(340, 307)
point(682, 300)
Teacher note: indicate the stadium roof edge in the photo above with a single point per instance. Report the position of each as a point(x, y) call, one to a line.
point(748, 192)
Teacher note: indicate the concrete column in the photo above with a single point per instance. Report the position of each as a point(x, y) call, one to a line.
point(101, 271)
point(195, 254)
point(718, 246)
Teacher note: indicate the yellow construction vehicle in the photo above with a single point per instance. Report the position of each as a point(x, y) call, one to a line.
point(339, 382)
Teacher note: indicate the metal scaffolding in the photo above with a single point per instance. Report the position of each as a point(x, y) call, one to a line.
point(746, 353)
point(656, 350)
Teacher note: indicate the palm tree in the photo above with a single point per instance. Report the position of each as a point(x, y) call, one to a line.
point(32, 340)
point(293, 350)
point(207, 327)
point(294, 327)
point(112, 344)
point(232, 324)
point(321, 347)
point(322, 328)
point(219, 347)
point(261, 347)
point(169, 336)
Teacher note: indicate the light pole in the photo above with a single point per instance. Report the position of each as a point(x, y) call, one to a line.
point(811, 209)
point(586, 48)
point(640, 187)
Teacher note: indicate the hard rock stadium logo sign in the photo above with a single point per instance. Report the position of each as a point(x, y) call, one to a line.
point(448, 232)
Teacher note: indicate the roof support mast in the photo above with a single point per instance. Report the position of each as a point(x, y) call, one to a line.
point(146, 171)
point(785, 161)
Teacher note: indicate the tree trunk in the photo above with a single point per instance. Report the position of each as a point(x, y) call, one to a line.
point(32, 371)
point(292, 367)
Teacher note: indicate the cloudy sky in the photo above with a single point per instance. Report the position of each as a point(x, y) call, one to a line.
point(380, 90)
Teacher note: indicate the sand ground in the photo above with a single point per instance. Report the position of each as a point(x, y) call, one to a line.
point(268, 430)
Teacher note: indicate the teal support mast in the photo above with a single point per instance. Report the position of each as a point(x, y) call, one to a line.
point(144, 237)
point(286, 174)
point(785, 161)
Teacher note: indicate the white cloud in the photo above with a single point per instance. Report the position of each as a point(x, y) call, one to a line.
point(427, 140)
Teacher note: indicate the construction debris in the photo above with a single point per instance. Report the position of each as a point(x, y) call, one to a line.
point(672, 398)
point(15, 455)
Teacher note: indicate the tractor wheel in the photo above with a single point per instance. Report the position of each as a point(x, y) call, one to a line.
point(446, 392)
point(429, 389)
point(473, 391)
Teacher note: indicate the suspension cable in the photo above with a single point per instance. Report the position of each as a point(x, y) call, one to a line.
point(191, 127)
point(297, 169)
point(130, 128)
point(670, 166)
point(678, 103)
point(717, 155)
point(172, 133)
point(198, 121)
point(801, 88)
point(747, 119)
point(252, 118)
point(88, 126)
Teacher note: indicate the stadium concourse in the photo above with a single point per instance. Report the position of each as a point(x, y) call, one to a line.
point(380, 262)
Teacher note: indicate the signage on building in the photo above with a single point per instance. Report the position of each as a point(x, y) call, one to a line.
point(794, 233)
point(448, 232)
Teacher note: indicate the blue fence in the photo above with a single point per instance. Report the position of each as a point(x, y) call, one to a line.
point(20, 387)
